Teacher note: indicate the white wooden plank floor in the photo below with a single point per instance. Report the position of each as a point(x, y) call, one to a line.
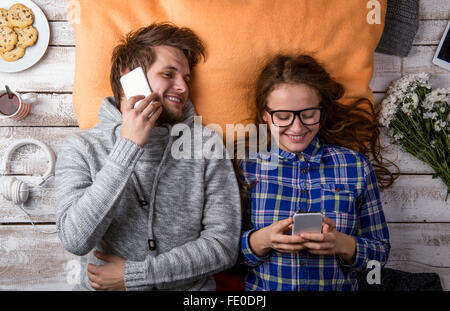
point(418, 216)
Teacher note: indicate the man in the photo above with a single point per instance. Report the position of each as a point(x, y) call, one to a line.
point(141, 219)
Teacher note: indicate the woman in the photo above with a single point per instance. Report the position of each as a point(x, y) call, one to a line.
point(316, 172)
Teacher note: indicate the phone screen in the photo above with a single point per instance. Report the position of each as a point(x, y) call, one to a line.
point(307, 222)
point(444, 53)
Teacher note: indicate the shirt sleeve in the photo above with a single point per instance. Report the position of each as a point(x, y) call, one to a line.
point(372, 238)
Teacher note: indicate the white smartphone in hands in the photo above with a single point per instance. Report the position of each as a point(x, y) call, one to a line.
point(135, 83)
point(307, 222)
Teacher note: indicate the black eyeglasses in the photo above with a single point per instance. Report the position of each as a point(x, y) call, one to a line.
point(284, 118)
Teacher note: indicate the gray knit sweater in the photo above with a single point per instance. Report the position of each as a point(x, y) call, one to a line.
point(176, 222)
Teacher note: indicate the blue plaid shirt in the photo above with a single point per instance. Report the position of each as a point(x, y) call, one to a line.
point(336, 181)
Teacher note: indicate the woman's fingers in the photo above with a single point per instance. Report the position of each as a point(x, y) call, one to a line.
point(288, 248)
point(318, 246)
point(282, 225)
point(329, 222)
point(287, 239)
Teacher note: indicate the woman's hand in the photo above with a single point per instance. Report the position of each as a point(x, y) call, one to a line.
point(275, 237)
point(330, 242)
point(138, 123)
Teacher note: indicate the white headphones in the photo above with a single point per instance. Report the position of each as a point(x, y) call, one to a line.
point(13, 189)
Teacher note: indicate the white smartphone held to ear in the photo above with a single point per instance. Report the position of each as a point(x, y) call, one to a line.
point(135, 83)
point(307, 222)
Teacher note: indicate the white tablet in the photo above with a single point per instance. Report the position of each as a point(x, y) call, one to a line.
point(442, 55)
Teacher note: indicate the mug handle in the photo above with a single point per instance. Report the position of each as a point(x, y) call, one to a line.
point(29, 98)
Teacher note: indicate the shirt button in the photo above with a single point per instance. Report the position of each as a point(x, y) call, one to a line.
point(303, 172)
point(338, 189)
point(303, 191)
point(302, 289)
point(302, 264)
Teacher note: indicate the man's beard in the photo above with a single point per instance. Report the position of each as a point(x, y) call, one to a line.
point(170, 117)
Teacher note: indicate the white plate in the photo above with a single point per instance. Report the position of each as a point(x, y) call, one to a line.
point(32, 53)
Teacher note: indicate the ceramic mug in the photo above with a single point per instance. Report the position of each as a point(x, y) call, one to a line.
point(21, 108)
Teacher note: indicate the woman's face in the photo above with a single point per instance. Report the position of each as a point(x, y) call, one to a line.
point(296, 137)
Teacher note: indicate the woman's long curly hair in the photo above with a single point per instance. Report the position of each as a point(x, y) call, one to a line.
point(353, 126)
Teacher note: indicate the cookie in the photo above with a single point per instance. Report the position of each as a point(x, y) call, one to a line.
point(4, 18)
point(20, 15)
point(26, 36)
point(8, 39)
point(13, 55)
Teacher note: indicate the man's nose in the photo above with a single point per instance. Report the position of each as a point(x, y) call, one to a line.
point(181, 85)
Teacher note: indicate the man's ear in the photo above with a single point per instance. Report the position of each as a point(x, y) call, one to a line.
point(125, 71)
point(264, 117)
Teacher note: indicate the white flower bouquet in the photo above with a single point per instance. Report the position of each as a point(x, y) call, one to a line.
point(417, 117)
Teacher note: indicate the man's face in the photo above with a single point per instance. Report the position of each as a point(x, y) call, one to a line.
point(169, 77)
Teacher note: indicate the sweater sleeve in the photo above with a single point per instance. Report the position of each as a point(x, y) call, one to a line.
point(85, 203)
point(216, 248)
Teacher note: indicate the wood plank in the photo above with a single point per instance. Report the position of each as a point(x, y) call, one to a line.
point(430, 32)
point(49, 110)
point(61, 34)
point(40, 205)
point(416, 198)
point(419, 59)
point(426, 244)
point(53, 73)
point(434, 9)
point(386, 69)
point(54, 10)
point(30, 159)
point(30, 260)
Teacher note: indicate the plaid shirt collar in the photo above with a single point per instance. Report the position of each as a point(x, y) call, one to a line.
point(313, 153)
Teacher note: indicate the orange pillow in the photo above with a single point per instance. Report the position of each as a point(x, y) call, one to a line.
point(240, 36)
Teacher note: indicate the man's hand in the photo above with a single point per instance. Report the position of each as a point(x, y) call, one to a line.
point(137, 124)
point(109, 276)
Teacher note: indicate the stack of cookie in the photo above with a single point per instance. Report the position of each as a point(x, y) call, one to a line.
point(16, 31)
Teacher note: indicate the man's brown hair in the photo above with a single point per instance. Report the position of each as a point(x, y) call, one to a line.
point(135, 50)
